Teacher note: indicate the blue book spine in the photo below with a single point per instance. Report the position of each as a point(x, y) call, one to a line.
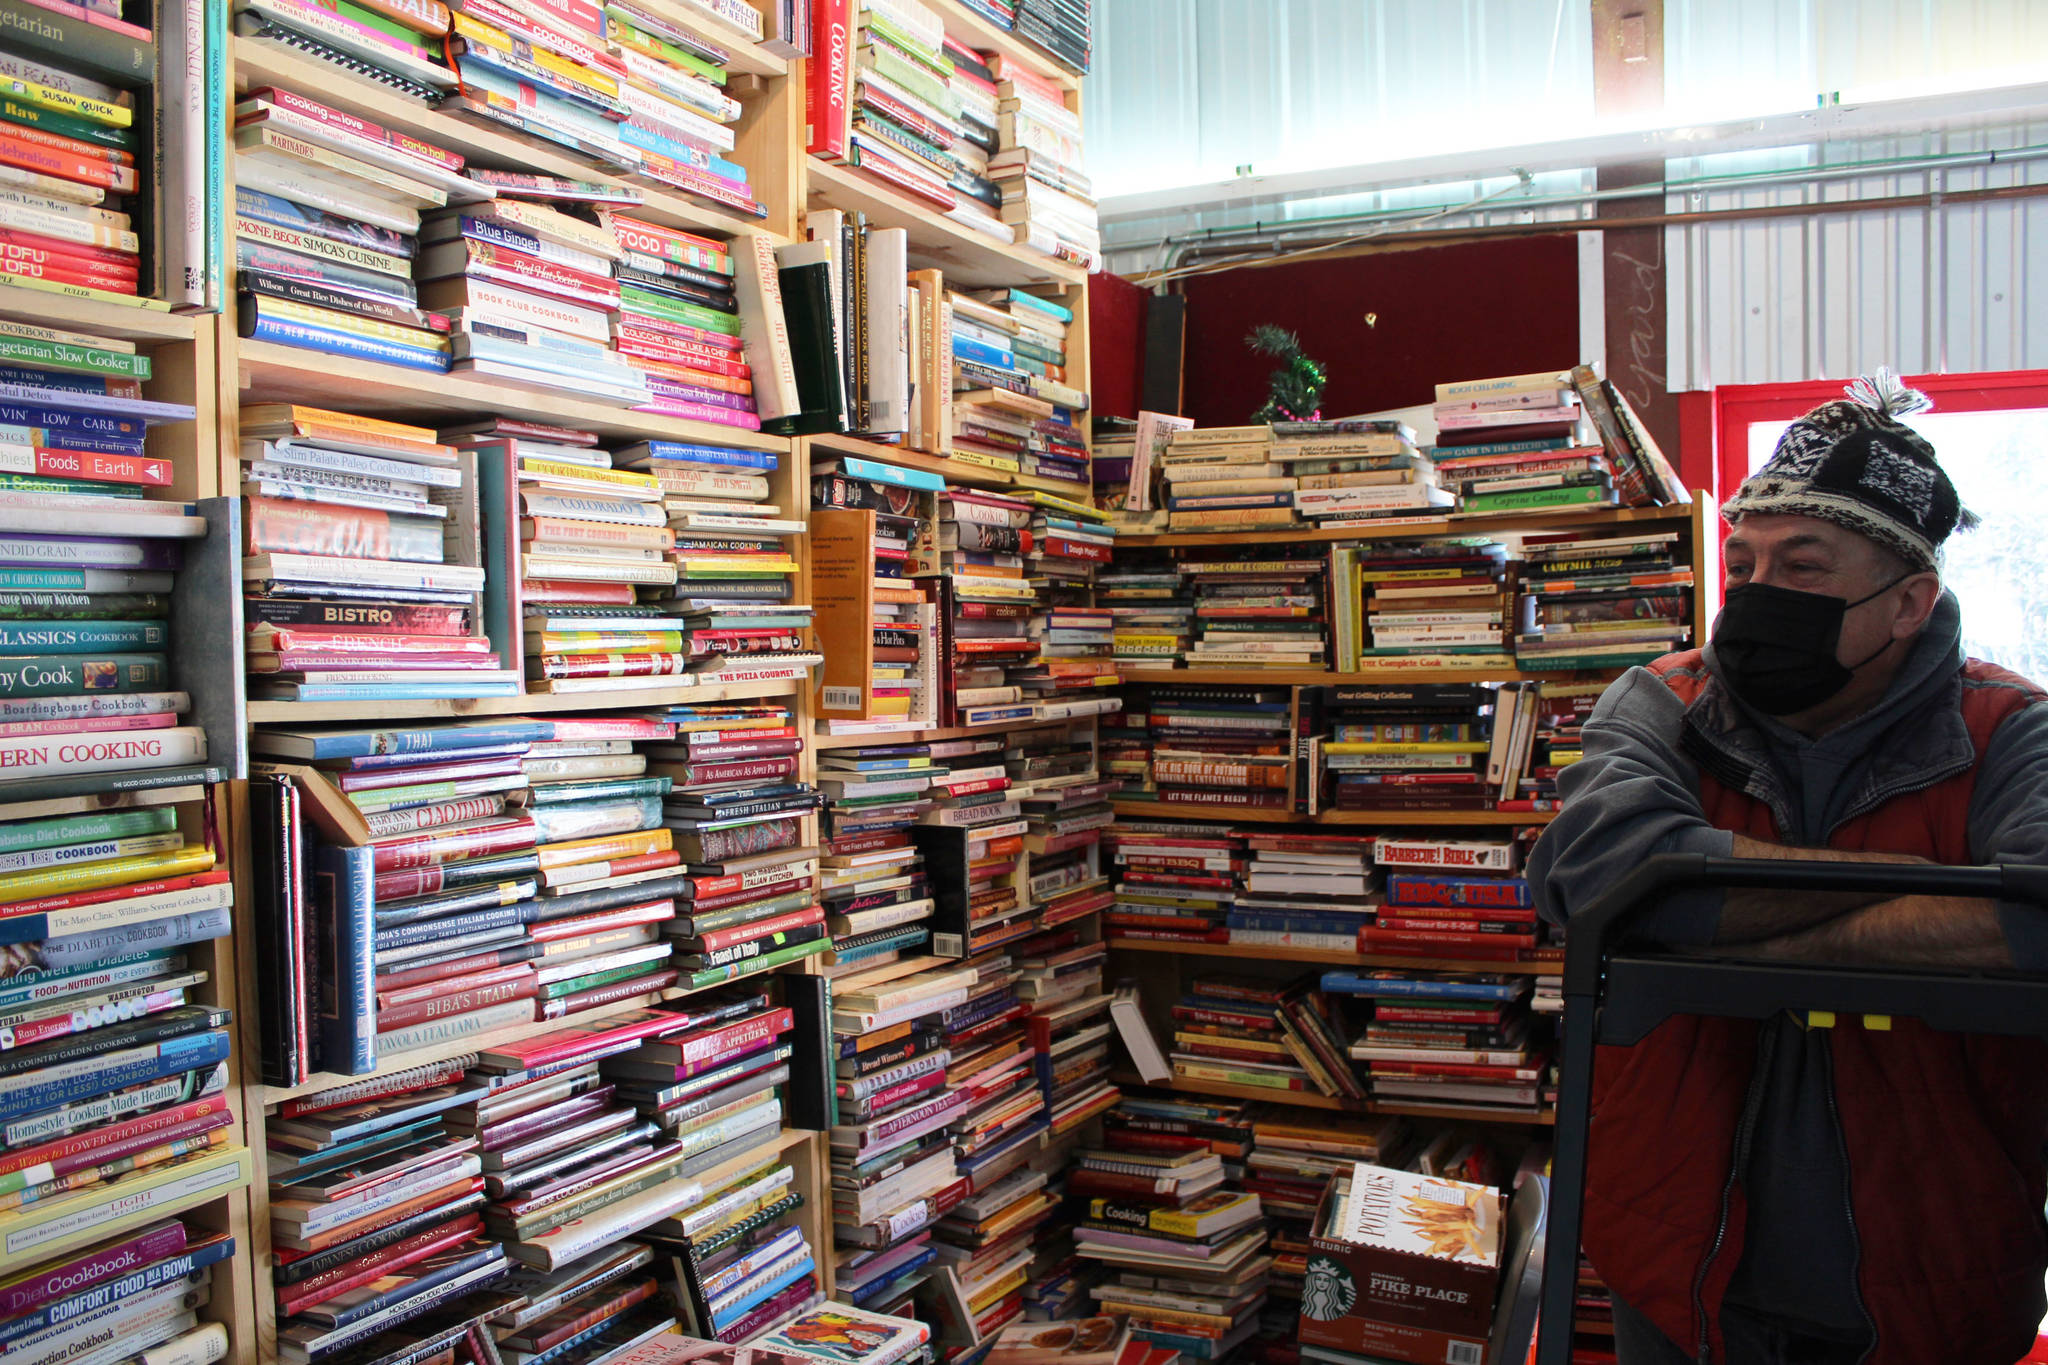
point(868, 1293)
point(213, 265)
point(268, 208)
point(561, 91)
point(568, 1347)
point(497, 234)
point(878, 472)
point(133, 409)
point(99, 1296)
point(1031, 302)
point(347, 1013)
point(161, 933)
point(440, 1275)
point(397, 744)
point(981, 352)
point(738, 459)
point(102, 945)
point(133, 1067)
point(53, 420)
point(1480, 893)
point(449, 926)
point(1351, 983)
point(76, 383)
point(654, 140)
point(1489, 448)
point(347, 343)
point(84, 638)
point(411, 691)
point(737, 1309)
point(1294, 924)
point(65, 438)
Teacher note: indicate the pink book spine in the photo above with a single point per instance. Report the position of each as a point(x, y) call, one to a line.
point(156, 721)
point(92, 1267)
point(702, 412)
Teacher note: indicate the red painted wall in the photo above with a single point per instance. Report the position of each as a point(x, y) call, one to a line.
point(1442, 313)
point(1116, 345)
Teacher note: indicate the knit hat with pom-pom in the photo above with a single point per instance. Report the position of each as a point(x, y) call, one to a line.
point(1853, 462)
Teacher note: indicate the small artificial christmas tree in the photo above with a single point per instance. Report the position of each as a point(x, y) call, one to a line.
point(1297, 386)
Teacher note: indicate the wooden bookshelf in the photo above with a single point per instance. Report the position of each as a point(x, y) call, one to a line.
point(963, 472)
point(96, 317)
point(970, 259)
point(1420, 528)
point(1318, 677)
point(1165, 810)
point(1329, 957)
point(929, 734)
point(1310, 1099)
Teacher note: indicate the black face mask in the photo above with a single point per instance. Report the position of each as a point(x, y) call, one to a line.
point(1776, 646)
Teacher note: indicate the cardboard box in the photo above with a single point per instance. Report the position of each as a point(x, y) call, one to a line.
point(1404, 1267)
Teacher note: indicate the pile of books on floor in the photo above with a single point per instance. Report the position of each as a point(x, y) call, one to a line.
point(1438, 1040)
point(1226, 479)
point(328, 228)
point(1590, 600)
point(872, 879)
point(1304, 890)
point(69, 143)
point(893, 1168)
point(676, 324)
point(1436, 889)
point(1408, 746)
point(1259, 612)
point(352, 590)
point(1220, 747)
point(529, 294)
point(1175, 882)
point(1358, 472)
point(478, 876)
point(1244, 1031)
point(1047, 198)
point(86, 683)
point(1151, 614)
point(1294, 1156)
point(1188, 1261)
point(113, 1088)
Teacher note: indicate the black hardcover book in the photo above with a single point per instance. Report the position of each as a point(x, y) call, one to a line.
point(807, 310)
point(279, 877)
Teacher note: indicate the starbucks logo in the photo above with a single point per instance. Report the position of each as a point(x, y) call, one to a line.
point(1328, 1292)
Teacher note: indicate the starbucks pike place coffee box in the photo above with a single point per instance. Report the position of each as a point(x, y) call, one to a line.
point(1403, 1266)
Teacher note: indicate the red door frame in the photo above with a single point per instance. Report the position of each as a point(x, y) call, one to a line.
point(1736, 406)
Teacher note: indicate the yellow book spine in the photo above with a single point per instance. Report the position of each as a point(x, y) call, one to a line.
point(1427, 746)
point(53, 881)
point(84, 106)
point(624, 478)
point(604, 847)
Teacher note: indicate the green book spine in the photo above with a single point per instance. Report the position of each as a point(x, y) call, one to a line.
point(1562, 663)
point(80, 829)
point(66, 125)
point(1538, 497)
point(71, 675)
point(563, 793)
point(938, 63)
point(555, 990)
point(711, 976)
point(84, 606)
point(90, 637)
point(41, 483)
point(675, 310)
point(371, 19)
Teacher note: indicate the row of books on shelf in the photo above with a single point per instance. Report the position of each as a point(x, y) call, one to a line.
point(1554, 441)
point(978, 136)
point(1553, 602)
point(1392, 747)
point(1386, 895)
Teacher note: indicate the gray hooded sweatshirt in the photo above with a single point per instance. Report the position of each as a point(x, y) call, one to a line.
point(1636, 793)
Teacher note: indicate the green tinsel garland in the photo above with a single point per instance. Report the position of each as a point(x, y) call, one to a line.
point(1296, 393)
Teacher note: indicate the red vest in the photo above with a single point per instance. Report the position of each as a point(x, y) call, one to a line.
point(1944, 1131)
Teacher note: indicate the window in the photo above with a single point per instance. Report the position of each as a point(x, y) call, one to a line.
point(1991, 433)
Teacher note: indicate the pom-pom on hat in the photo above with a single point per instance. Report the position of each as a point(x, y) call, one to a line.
point(1854, 463)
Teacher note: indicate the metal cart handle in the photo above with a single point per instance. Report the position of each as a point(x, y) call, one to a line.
point(1665, 985)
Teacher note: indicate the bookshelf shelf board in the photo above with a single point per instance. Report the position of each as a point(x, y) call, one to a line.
point(1160, 810)
point(221, 1174)
point(97, 317)
point(1316, 677)
point(271, 372)
point(929, 733)
point(550, 703)
point(829, 444)
point(1479, 523)
point(970, 259)
point(1326, 957)
point(979, 34)
point(52, 807)
point(259, 63)
point(1308, 1099)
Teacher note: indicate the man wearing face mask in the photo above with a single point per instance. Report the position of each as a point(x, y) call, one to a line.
point(1772, 1192)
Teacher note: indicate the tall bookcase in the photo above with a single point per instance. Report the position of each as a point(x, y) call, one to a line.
point(1163, 969)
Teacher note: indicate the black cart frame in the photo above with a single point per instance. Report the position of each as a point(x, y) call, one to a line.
point(1615, 995)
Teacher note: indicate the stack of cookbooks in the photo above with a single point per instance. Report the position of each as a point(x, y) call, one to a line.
point(1439, 1041)
point(872, 878)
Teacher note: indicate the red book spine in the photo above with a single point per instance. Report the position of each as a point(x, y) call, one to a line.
point(438, 972)
point(409, 995)
point(1476, 928)
point(1476, 952)
point(1425, 937)
point(542, 277)
point(704, 905)
point(102, 468)
point(320, 1288)
point(65, 163)
point(625, 917)
point(60, 249)
point(647, 329)
point(619, 867)
point(428, 850)
point(610, 994)
point(19, 261)
point(794, 919)
point(358, 127)
point(73, 899)
point(89, 1146)
point(699, 1051)
point(613, 665)
point(442, 1004)
point(689, 355)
